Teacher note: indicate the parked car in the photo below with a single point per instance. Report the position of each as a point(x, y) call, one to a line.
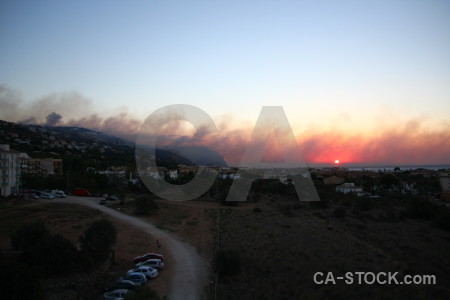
point(58, 193)
point(102, 202)
point(135, 277)
point(149, 272)
point(35, 196)
point(111, 198)
point(118, 294)
point(122, 284)
point(81, 192)
point(154, 263)
point(147, 256)
point(31, 194)
point(47, 196)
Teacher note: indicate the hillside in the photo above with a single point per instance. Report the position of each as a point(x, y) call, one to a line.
point(96, 149)
point(199, 155)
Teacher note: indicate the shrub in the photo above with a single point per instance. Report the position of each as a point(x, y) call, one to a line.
point(256, 209)
point(420, 208)
point(323, 203)
point(228, 262)
point(143, 293)
point(363, 203)
point(340, 212)
point(442, 220)
point(144, 204)
point(28, 236)
point(98, 239)
point(53, 255)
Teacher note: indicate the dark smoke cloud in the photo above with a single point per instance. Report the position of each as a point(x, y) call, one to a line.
point(410, 142)
point(53, 119)
point(69, 104)
point(30, 120)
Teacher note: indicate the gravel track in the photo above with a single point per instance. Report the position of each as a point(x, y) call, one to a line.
point(190, 269)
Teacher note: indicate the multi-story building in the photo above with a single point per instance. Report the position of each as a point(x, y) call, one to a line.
point(348, 187)
point(43, 166)
point(444, 178)
point(10, 171)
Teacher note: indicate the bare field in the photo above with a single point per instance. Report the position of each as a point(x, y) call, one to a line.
point(191, 221)
point(281, 249)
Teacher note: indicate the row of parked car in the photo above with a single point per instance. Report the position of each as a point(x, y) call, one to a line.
point(48, 194)
point(107, 197)
point(146, 267)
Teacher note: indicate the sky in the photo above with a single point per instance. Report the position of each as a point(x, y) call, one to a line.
point(359, 81)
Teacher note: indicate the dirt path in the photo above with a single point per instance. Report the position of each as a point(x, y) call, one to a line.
point(190, 269)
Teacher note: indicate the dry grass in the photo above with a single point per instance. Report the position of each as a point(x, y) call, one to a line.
point(281, 251)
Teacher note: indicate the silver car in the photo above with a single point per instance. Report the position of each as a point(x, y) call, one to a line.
point(116, 294)
point(135, 277)
point(149, 272)
point(154, 263)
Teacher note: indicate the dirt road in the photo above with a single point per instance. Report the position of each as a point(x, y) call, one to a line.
point(190, 269)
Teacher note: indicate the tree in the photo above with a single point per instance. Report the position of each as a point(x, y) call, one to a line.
point(98, 239)
point(144, 204)
point(53, 255)
point(389, 180)
point(28, 236)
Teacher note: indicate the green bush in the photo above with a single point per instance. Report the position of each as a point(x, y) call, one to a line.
point(143, 293)
point(144, 204)
point(53, 255)
point(28, 235)
point(419, 208)
point(442, 219)
point(340, 212)
point(363, 203)
point(228, 262)
point(50, 254)
point(256, 209)
point(98, 239)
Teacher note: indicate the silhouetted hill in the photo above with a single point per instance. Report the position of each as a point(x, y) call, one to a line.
point(95, 148)
point(199, 155)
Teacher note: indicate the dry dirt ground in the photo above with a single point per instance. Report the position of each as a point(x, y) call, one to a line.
point(71, 220)
point(281, 249)
point(189, 279)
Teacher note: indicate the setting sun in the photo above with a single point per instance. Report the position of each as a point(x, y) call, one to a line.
point(336, 161)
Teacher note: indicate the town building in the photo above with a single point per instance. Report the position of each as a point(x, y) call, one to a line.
point(10, 171)
point(349, 187)
point(43, 166)
point(333, 180)
point(444, 179)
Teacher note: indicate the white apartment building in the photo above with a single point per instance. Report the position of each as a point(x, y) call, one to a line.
point(10, 171)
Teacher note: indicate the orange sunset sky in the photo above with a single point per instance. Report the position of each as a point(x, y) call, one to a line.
point(360, 82)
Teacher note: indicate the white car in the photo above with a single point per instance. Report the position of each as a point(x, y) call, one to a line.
point(149, 272)
point(154, 263)
point(47, 196)
point(57, 193)
point(118, 294)
point(135, 277)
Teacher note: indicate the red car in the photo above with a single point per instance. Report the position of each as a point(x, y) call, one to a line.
point(81, 192)
point(147, 256)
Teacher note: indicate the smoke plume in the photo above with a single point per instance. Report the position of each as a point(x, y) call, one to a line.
point(409, 142)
